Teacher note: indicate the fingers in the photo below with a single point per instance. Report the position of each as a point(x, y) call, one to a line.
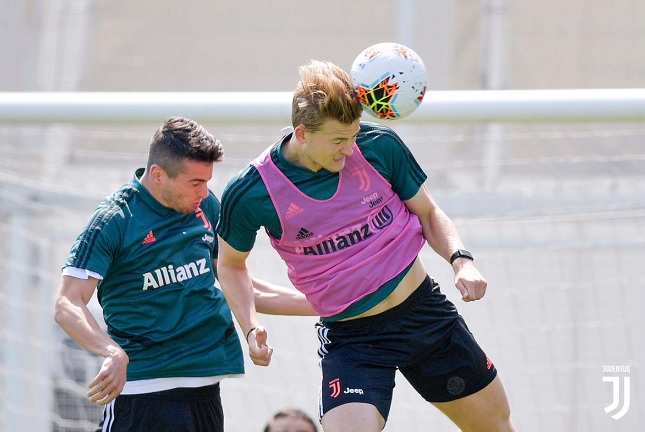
point(109, 382)
point(261, 357)
point(102, 393)
point(469, 281)
point(259, 351)
point(260, 334)
point(471, 290)
point(465, 295)
point(104, 388)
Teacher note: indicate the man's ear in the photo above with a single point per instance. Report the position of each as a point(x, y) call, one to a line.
point(156, 173)
point(299, 133)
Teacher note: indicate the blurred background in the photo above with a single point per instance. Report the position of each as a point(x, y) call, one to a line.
point(554, 212)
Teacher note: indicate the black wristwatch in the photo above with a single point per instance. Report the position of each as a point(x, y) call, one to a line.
point(461, 253)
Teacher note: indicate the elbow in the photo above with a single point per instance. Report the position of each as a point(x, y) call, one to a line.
point(58, 315)
point(60, 312)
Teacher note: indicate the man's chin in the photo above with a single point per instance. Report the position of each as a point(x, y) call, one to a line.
point(337, 166)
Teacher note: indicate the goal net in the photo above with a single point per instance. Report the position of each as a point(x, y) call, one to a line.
point(553, 212)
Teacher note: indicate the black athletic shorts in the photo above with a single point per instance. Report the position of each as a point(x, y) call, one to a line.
point(424, 337)
point(179, 410)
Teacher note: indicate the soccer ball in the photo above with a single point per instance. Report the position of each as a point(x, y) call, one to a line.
point(390, 79)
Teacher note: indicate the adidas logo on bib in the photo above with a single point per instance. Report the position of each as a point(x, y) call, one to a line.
point(303, 234)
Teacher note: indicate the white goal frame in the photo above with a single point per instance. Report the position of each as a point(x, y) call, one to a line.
point(565, 105)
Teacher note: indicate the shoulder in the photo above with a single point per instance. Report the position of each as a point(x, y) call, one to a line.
point(242, 187)
point(381, 146)
point(116, 208)
point(380, 141)
point(111, 219)
point(246, 206)
point(105, 232)
point(390, 156)
point(377, 133)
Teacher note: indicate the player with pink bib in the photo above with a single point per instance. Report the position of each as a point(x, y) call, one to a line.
point(344, 204)
point(390, 237)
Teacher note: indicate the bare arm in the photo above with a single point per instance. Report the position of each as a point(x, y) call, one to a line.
point(72, 314)
point(237, 287)
point(442, 236)
point(278, 300)
point(272, 299)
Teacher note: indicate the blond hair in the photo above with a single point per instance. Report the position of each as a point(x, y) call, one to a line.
point(324, 91)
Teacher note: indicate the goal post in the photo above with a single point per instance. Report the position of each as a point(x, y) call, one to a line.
point(235, 107)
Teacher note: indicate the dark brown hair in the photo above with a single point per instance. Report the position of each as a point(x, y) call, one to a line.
point(179, 139)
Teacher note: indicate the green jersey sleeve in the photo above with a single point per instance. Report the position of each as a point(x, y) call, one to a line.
point(387, 152)
point(99, 241)
point(246, 207)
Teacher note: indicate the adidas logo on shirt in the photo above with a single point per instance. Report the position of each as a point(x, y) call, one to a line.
point(293, 210)
point(303, 234)
point(149, 238)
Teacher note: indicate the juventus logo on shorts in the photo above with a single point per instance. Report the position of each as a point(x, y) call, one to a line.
point(335, 387)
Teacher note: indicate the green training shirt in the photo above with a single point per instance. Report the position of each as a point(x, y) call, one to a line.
point(158, 292)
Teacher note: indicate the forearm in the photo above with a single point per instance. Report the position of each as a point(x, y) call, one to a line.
point(441, 233)
point(442, 236)
point(278, 300)
point(238, 289)
point(79, 323)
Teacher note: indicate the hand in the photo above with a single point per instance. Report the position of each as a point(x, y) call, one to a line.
point(470, 283)
point(109, 382)
point(259, 351)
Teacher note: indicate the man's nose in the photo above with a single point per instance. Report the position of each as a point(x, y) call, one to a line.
point(203, 191)
point(348, 148)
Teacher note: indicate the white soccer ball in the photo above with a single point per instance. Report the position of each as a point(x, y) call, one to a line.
point(390, 79)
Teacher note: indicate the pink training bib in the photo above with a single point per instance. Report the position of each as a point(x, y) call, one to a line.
point(341, 249)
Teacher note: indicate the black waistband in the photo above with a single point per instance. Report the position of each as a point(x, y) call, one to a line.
point(185, 392)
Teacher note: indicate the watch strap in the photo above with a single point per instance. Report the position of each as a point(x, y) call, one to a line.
point(461, 253)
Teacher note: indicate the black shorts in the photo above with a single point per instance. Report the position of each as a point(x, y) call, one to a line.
point(424, 337)
point(179, 410)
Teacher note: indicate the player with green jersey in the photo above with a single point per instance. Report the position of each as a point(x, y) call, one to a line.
point(150, 251)
point(160, 260)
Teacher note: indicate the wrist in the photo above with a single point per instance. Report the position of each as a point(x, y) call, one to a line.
point(114, 352)
point(111, 352)
point(461, 253)
point(249, 333)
